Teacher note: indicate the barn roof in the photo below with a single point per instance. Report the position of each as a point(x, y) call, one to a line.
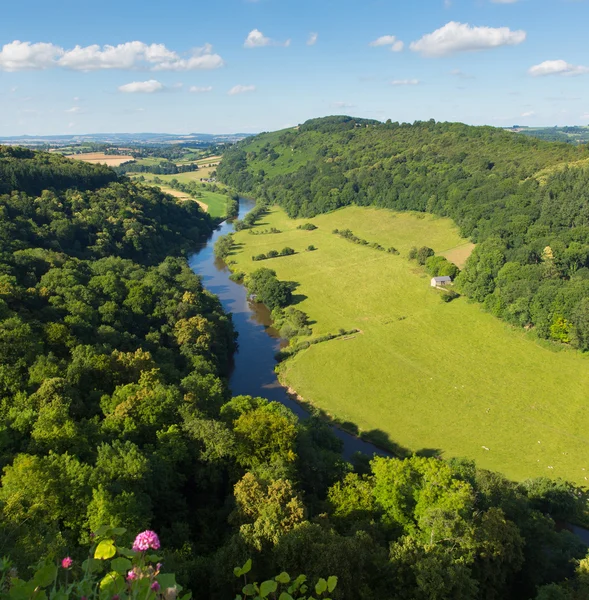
point(442, 278)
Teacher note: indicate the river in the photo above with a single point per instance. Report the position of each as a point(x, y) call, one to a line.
point(253, 372)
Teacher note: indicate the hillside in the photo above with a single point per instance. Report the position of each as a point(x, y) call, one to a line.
point(116, 418)
point(531, 264)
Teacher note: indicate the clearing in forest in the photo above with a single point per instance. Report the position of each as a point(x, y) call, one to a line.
point(447, 378)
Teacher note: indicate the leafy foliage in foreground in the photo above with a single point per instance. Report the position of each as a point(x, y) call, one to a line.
point(531, 265)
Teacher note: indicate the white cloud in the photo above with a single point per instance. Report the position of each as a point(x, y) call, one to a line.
point(18, 56)
point(142, 87)
point(202, 58)
point(529, 113)
point(241, 89)
point(557, 67)
point(461, 74)
point(21, 56)
point(585, 116)
point(200, 90)
point(312, 39)
point(405, 82)
point(256, 39)
point(460, 37)
point(73, 109)
point(388, 40)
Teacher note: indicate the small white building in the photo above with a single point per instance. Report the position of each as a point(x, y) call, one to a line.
point(442, 281)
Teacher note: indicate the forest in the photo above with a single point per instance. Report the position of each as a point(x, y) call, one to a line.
point(514, 196)
point(117, 416)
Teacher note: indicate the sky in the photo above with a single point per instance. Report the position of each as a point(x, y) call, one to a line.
point(229, 66)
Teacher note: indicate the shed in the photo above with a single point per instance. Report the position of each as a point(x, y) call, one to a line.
point(442, 281)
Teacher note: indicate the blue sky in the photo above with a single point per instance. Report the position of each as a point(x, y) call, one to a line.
point(219, 66)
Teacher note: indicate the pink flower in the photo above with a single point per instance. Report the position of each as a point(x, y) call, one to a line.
point(155, 586)
point(145, 540)
point(67, 562)
point(131, 575)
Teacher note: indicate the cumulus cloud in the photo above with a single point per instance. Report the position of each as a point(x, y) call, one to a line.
point(529, 113)
point(22, 56)
point(405, 82)
point(388, 40)
point(241, 89)
point(312, 39)
point(200, 90)
point(460, 37)
point(201, 58)
point(19, 56)
point(142, 87)
point(256, 39)
point(557, 67)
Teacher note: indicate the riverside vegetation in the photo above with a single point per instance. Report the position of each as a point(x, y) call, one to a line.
point(117, 418)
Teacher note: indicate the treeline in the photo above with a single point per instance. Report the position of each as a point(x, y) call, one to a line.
point(115, 412)
point(348, 234)
point(164, 167)
point(32, 172)
point(531, 265)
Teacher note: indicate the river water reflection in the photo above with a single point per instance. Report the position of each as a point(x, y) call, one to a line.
point(253, 373)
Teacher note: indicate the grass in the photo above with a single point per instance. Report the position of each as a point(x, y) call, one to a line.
point(214, 203)
point(430, 375)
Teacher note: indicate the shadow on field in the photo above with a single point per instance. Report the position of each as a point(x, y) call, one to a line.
point(382, 440)
point(429, 452)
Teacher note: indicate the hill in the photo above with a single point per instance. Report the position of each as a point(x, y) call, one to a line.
point(531, 264)
point(115, 417)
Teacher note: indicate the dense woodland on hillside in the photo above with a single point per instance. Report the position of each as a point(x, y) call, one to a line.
point(115, 411)
point(531, 222)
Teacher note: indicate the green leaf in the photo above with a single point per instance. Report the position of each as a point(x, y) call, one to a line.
point(249, 589)
point(153, 558)
point(267, 588)
point(167, 580)
point(247, 567)
point(121, 565)
point(45, 576)
point(92, 565)
point(105, 550)
point(285, 596)
point(22, 590)
point(321, 586)
point(102, 531)
point(118, 531)
point(331, 583)
point(284, 577)
point(126, 552)
point(113, 582)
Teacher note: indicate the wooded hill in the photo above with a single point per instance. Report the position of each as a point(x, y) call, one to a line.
point(115, 411)
point(512, 195)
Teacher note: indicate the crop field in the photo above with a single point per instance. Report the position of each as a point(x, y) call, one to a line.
point(444, 378)
point(111, 160)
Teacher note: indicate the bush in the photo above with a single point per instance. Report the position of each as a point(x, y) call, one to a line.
point(307, 227)
point(449, 295)
point(311, 248)
point(287, 251)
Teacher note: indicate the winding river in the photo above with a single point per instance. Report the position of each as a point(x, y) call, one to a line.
point(253, 373)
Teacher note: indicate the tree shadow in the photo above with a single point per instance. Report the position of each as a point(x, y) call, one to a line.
point(429, 453)
point(297, 299)
point(382, 440)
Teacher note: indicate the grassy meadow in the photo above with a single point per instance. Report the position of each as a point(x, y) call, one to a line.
point(213, 202)
point(429, 375)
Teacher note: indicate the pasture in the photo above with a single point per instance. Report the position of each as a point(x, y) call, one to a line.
point(444, 378)
point(112, 160)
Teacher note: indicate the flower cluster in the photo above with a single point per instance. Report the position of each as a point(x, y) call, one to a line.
point(67, 562)
point(146, 540)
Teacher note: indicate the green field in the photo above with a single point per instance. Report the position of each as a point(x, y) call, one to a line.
point(216, 203)
point(430, 375)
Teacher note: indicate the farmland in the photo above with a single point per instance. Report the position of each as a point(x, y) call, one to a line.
point(447, 378)
point(112, 160)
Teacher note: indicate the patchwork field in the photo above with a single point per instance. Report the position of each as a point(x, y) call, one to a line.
point(100, 158)
point(428, 375)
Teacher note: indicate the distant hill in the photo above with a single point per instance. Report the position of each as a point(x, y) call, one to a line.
point(570, 135)
point(524, 201)
point(124, 138)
